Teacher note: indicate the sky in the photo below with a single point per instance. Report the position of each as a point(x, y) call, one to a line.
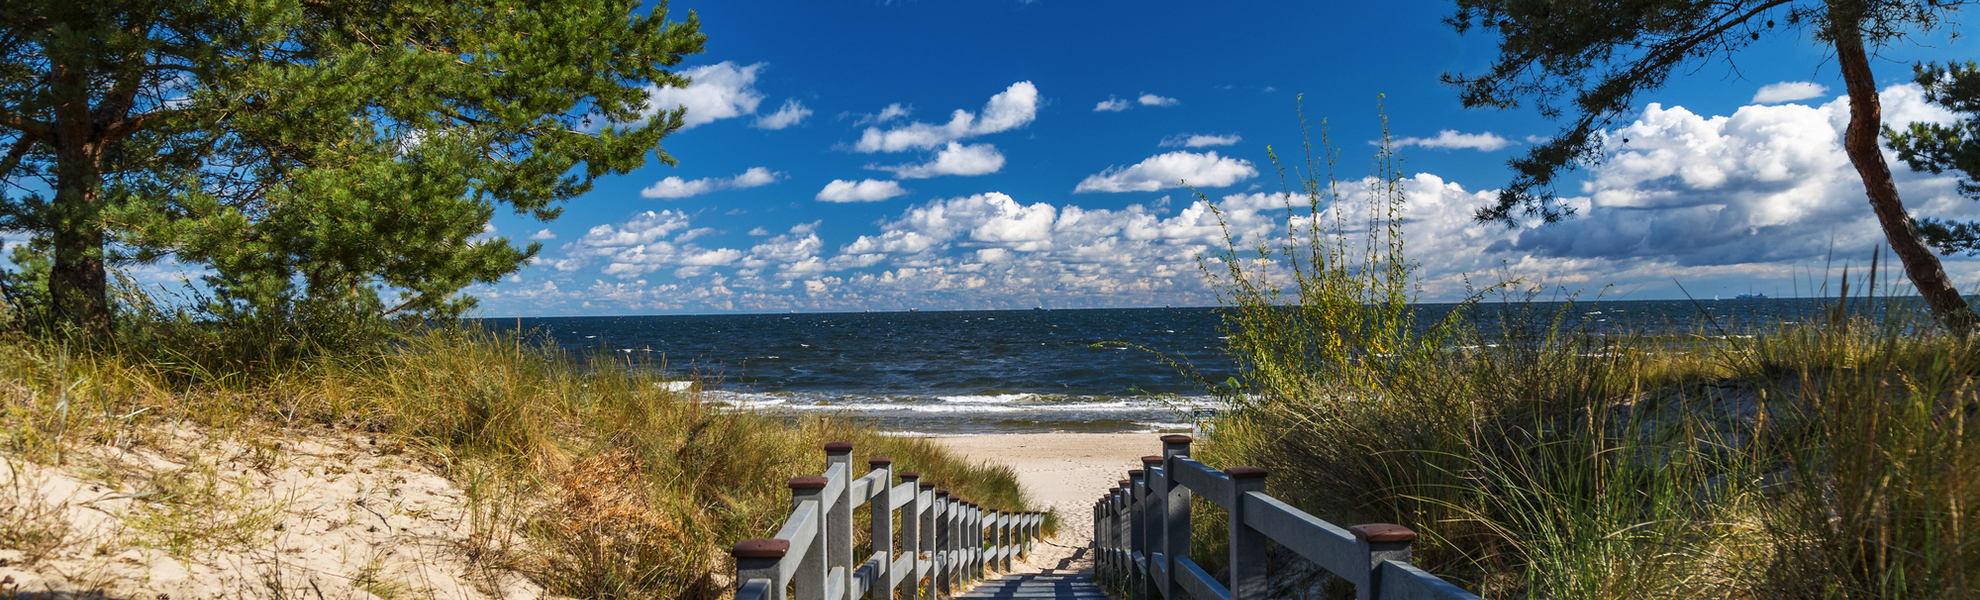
point(854, 155)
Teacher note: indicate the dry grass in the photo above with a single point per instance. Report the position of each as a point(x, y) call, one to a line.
point(590, 477)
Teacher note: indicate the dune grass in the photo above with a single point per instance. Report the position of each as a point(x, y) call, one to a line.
point(1830, 457)
point(586, 475)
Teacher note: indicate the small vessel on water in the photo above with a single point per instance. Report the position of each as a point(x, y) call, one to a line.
point(1751, 297)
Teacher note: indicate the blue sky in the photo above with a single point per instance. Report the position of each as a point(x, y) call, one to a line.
point(984, 154)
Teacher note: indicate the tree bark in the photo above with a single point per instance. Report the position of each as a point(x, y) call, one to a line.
point(1860, 141)
point(78, 284)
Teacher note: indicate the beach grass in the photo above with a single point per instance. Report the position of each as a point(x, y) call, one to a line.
point(1538, 457)
point(588, 475)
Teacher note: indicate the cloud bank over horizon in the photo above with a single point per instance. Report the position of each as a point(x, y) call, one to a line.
point(1689, 196)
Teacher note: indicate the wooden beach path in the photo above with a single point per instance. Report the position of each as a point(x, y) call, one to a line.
point(925, 543)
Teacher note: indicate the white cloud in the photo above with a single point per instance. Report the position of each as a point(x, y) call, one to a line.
point(541, 235)
point(718, 91)
point(1198, 140)
point(1012, 108)
point(1112, 104)
point(891, 112)
point(1169, 170)
point(867, 190)
point(1723, 203)
point(1154, 100)
point(791, 113)
point(673, 188)
point(956, 159)
point(1450, 139)
point(1789, 91)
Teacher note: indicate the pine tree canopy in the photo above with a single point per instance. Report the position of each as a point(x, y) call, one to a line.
point(1940, 148)
point(317, 154)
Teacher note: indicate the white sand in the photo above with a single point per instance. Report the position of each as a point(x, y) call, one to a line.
point(1063, 471)
point(319, 514)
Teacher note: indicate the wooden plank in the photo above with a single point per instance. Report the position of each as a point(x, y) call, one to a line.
point(1327, 545)
point(1198, 583)
point(835, 584)
point(835, 483)
point(900, 570)
point(799, 530)
point(1210, 483)
point(755, 589)
point(1403, 581)
point(900, 495)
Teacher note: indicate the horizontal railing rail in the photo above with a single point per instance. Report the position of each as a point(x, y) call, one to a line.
point(946, 541)
point(1141, 534)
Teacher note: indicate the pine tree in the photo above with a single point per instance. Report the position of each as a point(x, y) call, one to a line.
point(1941, 148)
point(318, 156)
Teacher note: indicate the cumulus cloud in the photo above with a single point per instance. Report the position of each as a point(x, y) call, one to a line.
point(866, 190)
point(1154, 100)
point(1450, 139)
point(1719, 202)
point(889, 113)
point(791, 113)
point(717, 91)
point(1198, 140)
point(1012, 108)
point(956, 159)
point(1170, 170)
point(674, 188)
point(1789, 91)
point(543, 235)
point(1112, 104)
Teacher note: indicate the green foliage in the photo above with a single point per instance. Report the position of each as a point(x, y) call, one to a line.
point(320, 158)
point(1939, 148)
point(1316, 308)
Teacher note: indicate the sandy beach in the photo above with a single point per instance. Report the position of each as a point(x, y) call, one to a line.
point(1064, 471)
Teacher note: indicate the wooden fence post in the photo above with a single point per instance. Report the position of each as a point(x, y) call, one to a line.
point(1138, 530)
point(811, 570)
point(911, 536)
point(840, 518)
point(880, 509)
point(757, 559)
point(1175, 526)
point(945, 532)
point(1247, 544)
point(1154, 526)
point(1383, 541)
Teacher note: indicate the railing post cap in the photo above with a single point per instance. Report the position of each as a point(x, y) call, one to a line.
point(1124, 483)
point(926, 485)
point(941, 493)
point(1382, 532)
point(809, 482)
point(879, 461)
point(1246, 473)
point(761, 548)
point(1136, 473)
point(838, 447)
point(1177, 439)
point(1151, 460)
point(909, 476)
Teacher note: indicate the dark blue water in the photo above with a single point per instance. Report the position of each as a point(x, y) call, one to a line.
point(1027, 370)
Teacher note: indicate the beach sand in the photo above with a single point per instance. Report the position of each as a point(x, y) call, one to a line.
point(1063, 471)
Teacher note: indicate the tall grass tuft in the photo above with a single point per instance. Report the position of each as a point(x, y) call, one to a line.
point(1825, 458)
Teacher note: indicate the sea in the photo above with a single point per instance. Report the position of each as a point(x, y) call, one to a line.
point(1021, 371)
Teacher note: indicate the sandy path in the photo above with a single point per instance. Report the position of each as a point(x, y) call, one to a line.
point(1065, 471)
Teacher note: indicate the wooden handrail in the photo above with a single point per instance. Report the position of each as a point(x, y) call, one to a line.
point(951, 541)
point(1141, 536)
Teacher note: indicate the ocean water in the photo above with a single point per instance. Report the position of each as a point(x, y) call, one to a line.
point(977, 372)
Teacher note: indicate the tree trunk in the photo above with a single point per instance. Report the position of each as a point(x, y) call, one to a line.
point(1861, 142)
point(77, 283)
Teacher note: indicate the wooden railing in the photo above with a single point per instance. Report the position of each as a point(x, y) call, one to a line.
point(950, 541)
point(1141, 537)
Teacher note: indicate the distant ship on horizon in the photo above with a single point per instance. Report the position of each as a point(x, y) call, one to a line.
point(1751, 297)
